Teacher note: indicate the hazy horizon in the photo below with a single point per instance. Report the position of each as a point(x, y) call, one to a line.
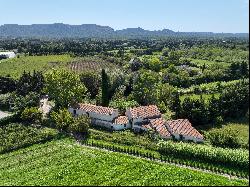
point(112, 27)
point(218, 16)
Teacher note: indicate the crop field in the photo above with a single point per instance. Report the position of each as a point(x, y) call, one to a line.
point(63, 162)
point(197, 96)
point(15, 67)
point(200, 63)
point(90, 64)
point(14, 136)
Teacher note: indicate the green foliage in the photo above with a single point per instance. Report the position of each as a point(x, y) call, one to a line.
point(92, 82)
point(31, 115)
point(230, 157)
point(63, 119)
point(19, 103)
point(105, 86)
point(80, 125)
point(30, 83)
point(226, 138)
point(64, 87)
point(145, 86)
point(123, 104)
point(16, 66)
point(62, 162)
point(7, 84)
point(14, 136)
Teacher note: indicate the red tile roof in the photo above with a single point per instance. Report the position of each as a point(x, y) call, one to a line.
point(96, 109)
point(159, 126)
point(145, 112)
point(183, 127)
point(121, 120)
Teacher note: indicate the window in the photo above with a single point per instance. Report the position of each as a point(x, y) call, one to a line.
point(74, 112)
point(125, 125)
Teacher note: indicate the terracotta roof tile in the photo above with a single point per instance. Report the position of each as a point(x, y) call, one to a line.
point(159, 126)
point(183, 127)
point(121, 120)
point(145, 112)
point(96, 109)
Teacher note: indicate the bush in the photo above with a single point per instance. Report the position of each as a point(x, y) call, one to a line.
point(31, 115)
point(62, 119)
point(80, 124)
point(224, 138)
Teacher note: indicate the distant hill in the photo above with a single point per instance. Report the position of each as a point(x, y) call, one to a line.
point(60, 30)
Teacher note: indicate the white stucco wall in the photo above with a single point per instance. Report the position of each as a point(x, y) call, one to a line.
point(96, 115)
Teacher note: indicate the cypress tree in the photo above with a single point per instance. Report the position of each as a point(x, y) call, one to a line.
point(105, 88)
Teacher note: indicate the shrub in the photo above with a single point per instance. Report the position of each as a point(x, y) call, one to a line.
point(80, 124)
point(224, 138)
point(31, 115)
point(62, 119)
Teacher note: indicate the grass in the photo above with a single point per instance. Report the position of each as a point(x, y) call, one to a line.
point(63, 162)
point(15, 67)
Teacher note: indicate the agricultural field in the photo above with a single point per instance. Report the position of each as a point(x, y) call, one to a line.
point(200, 63)
point(90, 64)
point(15, 67)
point(63, 162)
point(206, 97)
point(16, 135)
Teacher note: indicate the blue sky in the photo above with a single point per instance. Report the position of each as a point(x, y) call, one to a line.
point(178, 15)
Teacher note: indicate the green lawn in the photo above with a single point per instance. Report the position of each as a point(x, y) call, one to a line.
point(15, 67)
point(63, 162)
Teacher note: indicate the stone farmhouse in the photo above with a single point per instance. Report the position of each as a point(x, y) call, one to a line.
point(143, 118)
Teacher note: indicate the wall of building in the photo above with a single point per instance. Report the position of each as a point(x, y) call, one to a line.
point(96, 115)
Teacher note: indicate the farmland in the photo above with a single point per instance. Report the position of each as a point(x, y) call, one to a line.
point(62, 162)
point(90, 64)
point(15, 67)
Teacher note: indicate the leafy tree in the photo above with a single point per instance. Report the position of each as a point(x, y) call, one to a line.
point(19, 102)
point(31, 115)
point(64, 87)
point(30, 83)
point(7, 84)
point(80, 125)
point(92, 82)
point(62, 119)
point(145, 87)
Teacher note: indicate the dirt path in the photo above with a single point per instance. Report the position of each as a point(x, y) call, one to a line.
point(168, 163)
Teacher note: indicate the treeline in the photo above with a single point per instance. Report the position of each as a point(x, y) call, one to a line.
point(233, 102)
point(81, 47)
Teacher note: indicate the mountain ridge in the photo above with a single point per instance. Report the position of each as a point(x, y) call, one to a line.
point(61, 30)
